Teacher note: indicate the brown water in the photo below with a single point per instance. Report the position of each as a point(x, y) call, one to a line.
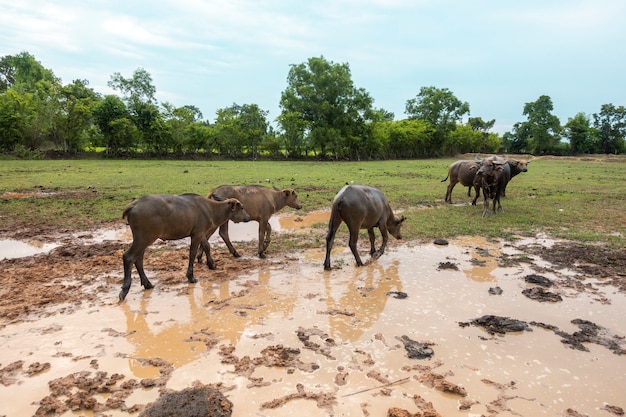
point(529, 373)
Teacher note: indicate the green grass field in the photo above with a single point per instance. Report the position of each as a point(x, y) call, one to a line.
point(582, 199)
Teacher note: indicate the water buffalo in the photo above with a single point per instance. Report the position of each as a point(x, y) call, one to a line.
point(172, 217)
point(511, 169)
point(260, 202)
point(463, 172)
point(361, 207)
point(491, 178)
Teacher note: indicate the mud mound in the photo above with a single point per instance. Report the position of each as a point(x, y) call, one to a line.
point(191, 402)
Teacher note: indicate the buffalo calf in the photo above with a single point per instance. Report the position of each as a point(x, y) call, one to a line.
point(490, 177)
point(261, 203)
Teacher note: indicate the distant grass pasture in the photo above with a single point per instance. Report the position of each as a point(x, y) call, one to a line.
point(576, 198)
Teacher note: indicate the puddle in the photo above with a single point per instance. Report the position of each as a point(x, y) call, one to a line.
point(11, 249)
point(345, 326)
point(239, 232)
point(245, 232)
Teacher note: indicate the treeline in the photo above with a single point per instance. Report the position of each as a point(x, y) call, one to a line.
point(323, 115)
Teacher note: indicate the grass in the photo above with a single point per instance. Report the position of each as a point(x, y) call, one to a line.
point(580, 199)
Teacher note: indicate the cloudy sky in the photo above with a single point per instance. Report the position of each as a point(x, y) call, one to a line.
point(496, 55)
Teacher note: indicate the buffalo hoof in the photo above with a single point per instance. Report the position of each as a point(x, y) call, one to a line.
point(236, 254)
point(211, 265)
point(192, 280)
point(123, 295)
point(262, 256)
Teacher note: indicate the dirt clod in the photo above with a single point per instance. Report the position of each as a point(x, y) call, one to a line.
point(190, 402)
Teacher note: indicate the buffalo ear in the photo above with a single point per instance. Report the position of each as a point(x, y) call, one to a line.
point(474, 167)
point(401, 219)
point(234, 204)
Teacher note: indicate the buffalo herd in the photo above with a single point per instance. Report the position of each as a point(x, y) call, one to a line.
point(171, 217)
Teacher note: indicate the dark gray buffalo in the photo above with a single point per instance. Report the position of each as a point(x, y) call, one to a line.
point(260, 202)
point(362, 207)
point(491, 178)
point(511, 169)
point(171, 217)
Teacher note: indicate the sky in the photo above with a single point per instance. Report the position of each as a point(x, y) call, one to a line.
point(496, 55)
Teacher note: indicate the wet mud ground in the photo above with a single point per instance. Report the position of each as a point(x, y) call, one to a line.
point(471, 328)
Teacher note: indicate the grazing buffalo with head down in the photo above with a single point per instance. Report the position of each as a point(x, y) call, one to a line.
point(490, 177)
point(172, 217)
point(362, 207)
point(260, 202)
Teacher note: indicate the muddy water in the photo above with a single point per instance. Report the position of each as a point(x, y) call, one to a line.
point(349, 314)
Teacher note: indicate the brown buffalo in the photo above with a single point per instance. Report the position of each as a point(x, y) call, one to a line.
point(361, 207)
point(260, 202)
point(172, 217)
point(463, 172)
point(491, 178)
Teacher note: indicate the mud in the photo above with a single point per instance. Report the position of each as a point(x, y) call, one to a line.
point(426, 330)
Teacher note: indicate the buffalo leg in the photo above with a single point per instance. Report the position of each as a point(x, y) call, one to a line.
point(477, 189)
point(449, 191)
point(193, 250)
point(372, 237)
point(385, 235)
point(143, 279)
point(352, 243)
point(128, 268)
point(226, 239)
point(333, 225)
point(205, 247)
point(265, 237)
point(134, 256)
point(485, 203)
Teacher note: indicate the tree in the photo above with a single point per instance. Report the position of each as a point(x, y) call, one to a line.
point(139, 94)
point(11, 124)
point(611, 126)
point(35, 89)
point(440, 108)
point(254, 125)
point(322, 104)
point(106, 112)
point(76, 102)
point(410, 138)
point(139, 88)
point(198, 136)
point(294, 129)
point(582, 137)
point(23, 73)
point(241, 129)
point(178, 120)
point(543, 129)
point(487, 140)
